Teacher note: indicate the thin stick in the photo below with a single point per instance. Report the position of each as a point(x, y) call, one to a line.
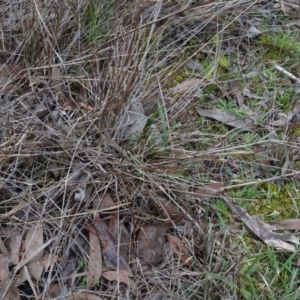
point(287, 73)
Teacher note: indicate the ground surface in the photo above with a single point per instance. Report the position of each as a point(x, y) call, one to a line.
point(126, 127)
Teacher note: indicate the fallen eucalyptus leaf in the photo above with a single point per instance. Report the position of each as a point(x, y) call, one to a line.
point(33, 241)
point(95, 260)
point(227, 118)
point(289, 224)
point(187, 85)
point(263, 230)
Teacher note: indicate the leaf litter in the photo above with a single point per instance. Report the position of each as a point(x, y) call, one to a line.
point(150, 242)
point(95, 264)
point(179, 247)
point(79, 138)
point(34, 241)
point(227, 118)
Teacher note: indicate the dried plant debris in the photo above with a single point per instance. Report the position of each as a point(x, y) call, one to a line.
point(34, 242)
point(9, 76)
point(287, 224)
point(120, 277)
point(132, 122)
point(187, 85)
point(98, 177)
point(170, 209)
point(83, 296)
point(227, 118)
point(150, 242)
point(179, 247)
point(95, 264)
point(260, 229)
point(116, 261)
point(263, 230)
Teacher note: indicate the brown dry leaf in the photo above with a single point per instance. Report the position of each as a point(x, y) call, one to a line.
point(150, 242)
point(84, 296)
point(13, 292)
point(33, 241)
point(289, 224)
point(116, 229)
point(263, 230)
point(211, 189)
point(13, 242)
point(179, 248)
point(5, 262)
point(115, 276)
point(53, 292)
point(120, 233)
point(103, 203)
point(109, 248)
point(95, 260)
point(280, 121)
point(187, 85)
point(170, 209)
point(240, 100)
point(86, 106)
point(227, 118)
point(49, 260)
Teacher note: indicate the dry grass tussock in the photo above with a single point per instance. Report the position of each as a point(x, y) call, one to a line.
point(105, 162)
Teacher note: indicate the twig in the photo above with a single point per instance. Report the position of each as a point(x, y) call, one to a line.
point(287, 73)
